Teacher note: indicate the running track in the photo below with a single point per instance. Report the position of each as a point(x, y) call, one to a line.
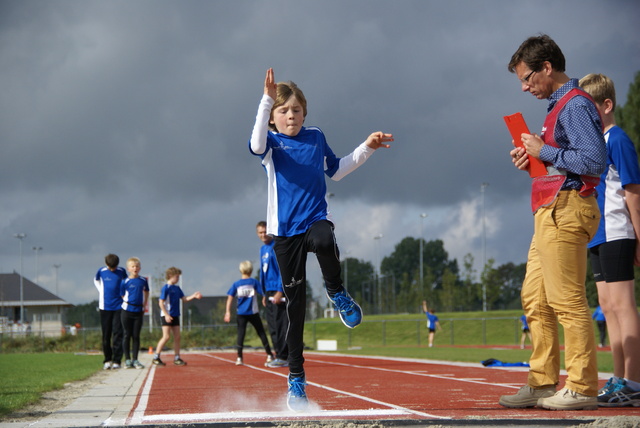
point(211, 388)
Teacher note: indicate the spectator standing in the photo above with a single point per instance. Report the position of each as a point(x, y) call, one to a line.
point(273, 298)
point(566, 217)
point(107, 281)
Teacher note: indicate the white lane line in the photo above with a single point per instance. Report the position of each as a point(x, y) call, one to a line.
point(138, 414)
point(414, 373)
point(339, 391)
point(345, 414)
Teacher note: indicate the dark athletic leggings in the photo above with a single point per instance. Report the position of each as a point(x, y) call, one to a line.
point(131, 324)
point(291, 253)
point(256, 322)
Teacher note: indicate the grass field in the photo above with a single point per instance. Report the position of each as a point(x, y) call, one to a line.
point(25, 377)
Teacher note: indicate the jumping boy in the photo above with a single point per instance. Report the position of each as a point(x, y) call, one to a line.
point(246, 290)
point(135, 292)
point(296, 159)
point(169, 302)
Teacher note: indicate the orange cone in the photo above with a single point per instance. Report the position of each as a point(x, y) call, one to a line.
point(150, 349)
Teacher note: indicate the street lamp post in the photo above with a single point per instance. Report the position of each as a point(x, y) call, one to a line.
point(21, 236)
point(422, 217)
point(483, 186)
point(377, 239)
point(56, 267)
point(36, 249)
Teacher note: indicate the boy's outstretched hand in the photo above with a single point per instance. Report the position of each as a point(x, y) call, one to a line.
point(270, 85)
point(378, 139)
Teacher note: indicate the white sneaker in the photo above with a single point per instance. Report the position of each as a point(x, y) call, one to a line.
point(566, 399)
point(239, 362)
point(115, 366)
point(107, 366)
point(269, 359)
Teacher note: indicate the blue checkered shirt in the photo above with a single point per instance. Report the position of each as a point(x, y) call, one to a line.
point(581, 147)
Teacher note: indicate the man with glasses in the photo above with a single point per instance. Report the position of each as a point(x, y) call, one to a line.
point(566, 217)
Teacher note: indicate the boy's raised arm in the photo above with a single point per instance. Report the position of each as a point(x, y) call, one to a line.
point(270, 85)
point(258, 142)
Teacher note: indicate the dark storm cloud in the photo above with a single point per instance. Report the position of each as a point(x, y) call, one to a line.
point(125, 124)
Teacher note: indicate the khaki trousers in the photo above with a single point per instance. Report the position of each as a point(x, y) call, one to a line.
point(554, 291)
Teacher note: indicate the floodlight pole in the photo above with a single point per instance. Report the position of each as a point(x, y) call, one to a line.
point(36, 249)
point(422, 217)
point(21, 236)
point(483, 186)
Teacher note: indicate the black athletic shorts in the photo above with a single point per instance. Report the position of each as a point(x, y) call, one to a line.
point(175, 321)
point(613, 261)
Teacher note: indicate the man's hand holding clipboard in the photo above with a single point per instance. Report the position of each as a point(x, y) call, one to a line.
point(517, 126)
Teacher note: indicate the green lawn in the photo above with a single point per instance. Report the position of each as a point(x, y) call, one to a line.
point(25, 377)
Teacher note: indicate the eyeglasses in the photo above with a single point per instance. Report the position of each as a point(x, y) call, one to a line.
point(526, 78)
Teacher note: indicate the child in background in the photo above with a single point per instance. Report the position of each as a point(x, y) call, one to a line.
point(246, 290)
point(297, 159)
point(169, 302)
point(433, 323)
point(601, 321)
point(135, 292)
point(526, 332)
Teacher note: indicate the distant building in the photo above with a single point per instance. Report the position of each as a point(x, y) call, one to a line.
point(42, 309)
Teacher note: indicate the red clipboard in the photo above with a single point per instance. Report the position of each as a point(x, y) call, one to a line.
point(517, 126)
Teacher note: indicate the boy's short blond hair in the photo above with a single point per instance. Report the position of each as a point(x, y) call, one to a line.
point(285, 91)
point(171, 272)
point(133, 260)
point(246, 267)
point(600, 87)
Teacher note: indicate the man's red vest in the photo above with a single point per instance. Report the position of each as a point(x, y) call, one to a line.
point(545, 188)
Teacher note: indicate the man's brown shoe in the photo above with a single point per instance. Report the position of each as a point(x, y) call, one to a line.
point(566, 399)
point(526, 397)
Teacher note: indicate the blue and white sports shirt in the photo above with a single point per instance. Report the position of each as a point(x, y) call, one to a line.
point(132, 291)
point(622, 169)
point(108, 284)
point(172, 295)
point(296, 168)
point(246, 290)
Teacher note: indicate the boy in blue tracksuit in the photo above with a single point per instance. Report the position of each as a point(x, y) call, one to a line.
point(273, 298)
point(296, 160)
point(246, 290)
point(107, 281)
point(169, 302)
point(135, 292)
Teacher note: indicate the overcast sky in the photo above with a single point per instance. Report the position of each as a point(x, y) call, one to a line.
point(124, 124)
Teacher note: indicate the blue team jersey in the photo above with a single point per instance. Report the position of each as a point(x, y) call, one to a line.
point(525, 324)
point(172, 295)
point(598, 315)
point(296, 168)
point(432, 319)
point(270, 272)
point(108, 284)
point(132, 292)
point(622, 169)
point(246, 290)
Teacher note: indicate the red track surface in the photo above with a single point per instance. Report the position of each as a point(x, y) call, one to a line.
point(212, 389)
